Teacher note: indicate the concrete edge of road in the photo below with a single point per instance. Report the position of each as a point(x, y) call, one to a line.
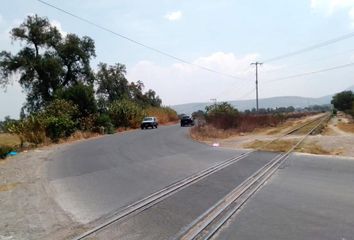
point(323, 156)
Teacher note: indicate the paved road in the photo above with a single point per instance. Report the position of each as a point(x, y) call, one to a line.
point(95, 177)
point(166, 219)
point(311, 198)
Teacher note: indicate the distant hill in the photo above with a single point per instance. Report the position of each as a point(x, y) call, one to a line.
point(272, 102)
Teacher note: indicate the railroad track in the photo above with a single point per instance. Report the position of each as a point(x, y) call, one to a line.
point(156, 197)
point(207, 224)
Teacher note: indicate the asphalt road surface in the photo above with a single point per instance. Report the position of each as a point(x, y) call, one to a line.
point(311, 198)
point(95, 177)
point(166, 219)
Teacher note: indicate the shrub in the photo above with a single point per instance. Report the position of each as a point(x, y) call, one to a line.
point(31, 129)
point(125, 113)
point(59, 127)
point(60, 107)
point(82, 96)
point(8, 122)
point(59, 119)
point(88, 123)
point(4, 151)
point(104, 121)
point(222, 115)
point(163, 114)
point(55, 121)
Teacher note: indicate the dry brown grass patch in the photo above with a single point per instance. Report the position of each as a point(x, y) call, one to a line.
point(346, 127)
point(79, 135)
point(276, 146)
point(9, 140)
point(208, 132)
point(8, 187)
point(286, 145)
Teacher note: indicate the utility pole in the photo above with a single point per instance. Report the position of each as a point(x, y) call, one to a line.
point(256, 63)
point(214, 100)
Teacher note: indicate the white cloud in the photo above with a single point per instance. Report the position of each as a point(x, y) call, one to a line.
point(173, 16)
point(182, 83)
point(329, 7)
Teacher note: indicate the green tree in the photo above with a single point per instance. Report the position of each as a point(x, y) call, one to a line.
point(83, 96)
point(222, 115)
point(47, 62)
point(112, 84)
point(343, 101)
point(152, 99)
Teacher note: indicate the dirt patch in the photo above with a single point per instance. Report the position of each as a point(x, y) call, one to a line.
point(27, 210)
point(346, 127)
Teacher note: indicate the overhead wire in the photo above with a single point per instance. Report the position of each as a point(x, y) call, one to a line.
point(310, 48)
point(166, 54)
point(319, 59)
point(310, 73)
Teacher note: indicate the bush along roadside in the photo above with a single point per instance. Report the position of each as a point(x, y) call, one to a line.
point(4, 151)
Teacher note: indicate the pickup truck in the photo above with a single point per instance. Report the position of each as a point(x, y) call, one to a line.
point(149, 122)
point(187, 121)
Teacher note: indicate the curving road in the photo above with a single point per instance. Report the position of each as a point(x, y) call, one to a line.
point(95, 177)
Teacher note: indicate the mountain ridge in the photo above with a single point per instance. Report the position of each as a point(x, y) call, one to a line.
point(272, 102)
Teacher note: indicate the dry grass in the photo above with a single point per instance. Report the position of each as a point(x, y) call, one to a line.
point(8, 187)
point(255, 124)
point(313, 148)
point(164, 114)
point(9, 140)
point(79, 135)
point(286, 145)
point(208, 132)
point(346, 127)
point(276, 146)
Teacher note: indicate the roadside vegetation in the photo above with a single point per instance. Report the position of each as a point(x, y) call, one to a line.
point(344, 101)
point(64, 94)
point(223, 120)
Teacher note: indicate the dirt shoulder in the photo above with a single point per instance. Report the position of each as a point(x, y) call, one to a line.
point(335, 139)
point(27, 210)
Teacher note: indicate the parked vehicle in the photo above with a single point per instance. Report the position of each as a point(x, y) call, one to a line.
point(149, 122)
point(187, 121)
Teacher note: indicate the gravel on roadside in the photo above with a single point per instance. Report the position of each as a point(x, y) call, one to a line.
point(27, 210)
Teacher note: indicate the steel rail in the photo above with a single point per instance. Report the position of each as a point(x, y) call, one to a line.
point(203, 227)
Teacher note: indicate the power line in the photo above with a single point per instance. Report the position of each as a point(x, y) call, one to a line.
point(137, 42)
point(310, 61)
point(310, 48)
point(310, 73)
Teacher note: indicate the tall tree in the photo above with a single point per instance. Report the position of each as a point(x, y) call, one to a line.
point(343, 101)
point(48, 62)
point(112, 84)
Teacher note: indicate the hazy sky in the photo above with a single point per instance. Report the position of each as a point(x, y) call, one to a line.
point(225, 35)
